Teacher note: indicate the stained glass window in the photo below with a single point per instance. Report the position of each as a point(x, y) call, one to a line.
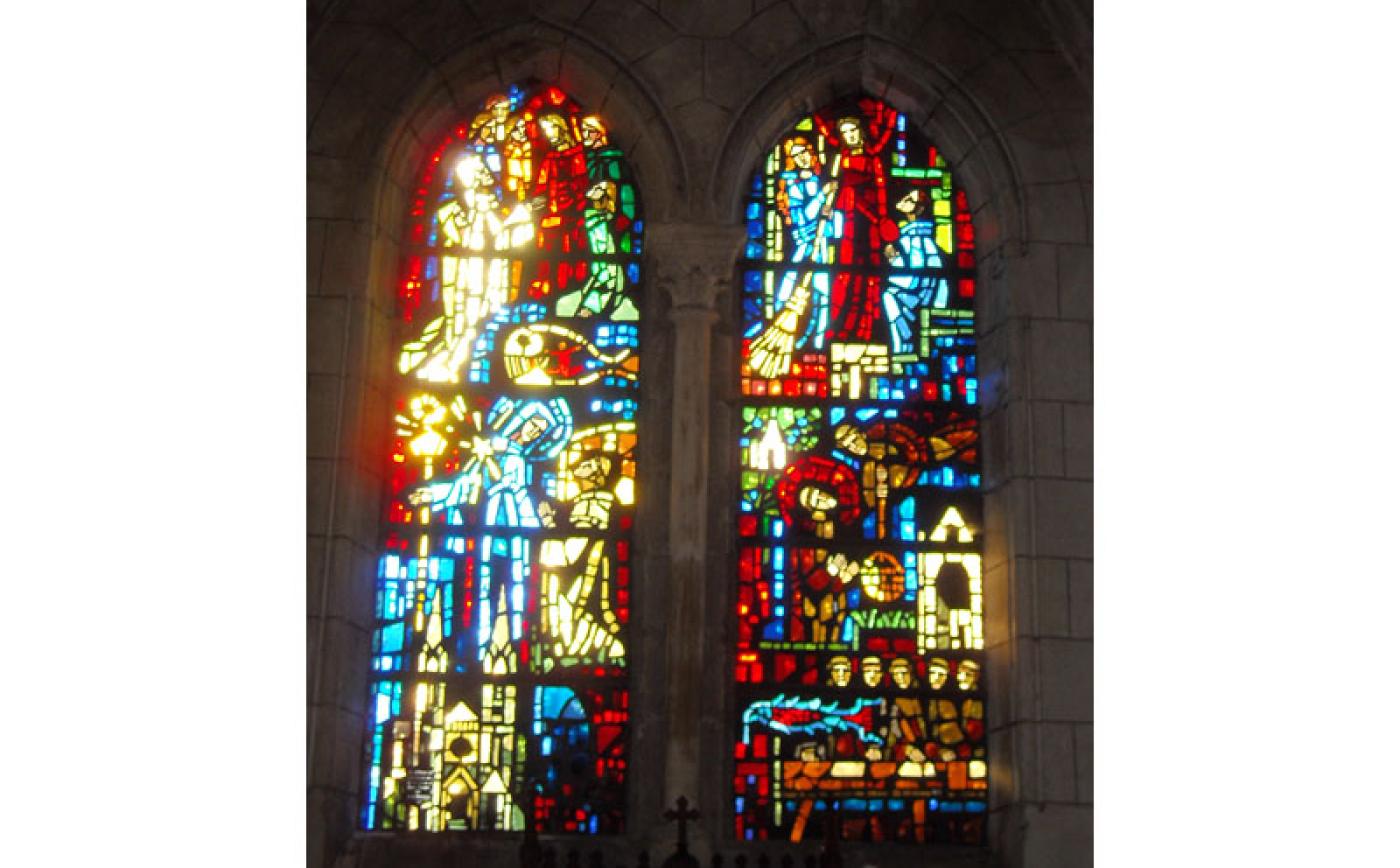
point(500, 649)
point(860, 600)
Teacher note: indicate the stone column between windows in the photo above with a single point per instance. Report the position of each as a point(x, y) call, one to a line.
point(694, 264)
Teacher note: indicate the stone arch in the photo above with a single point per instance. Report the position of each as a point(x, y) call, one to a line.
point(867, 67)
point(937, 102)
point(369, 135)
point(976, 125)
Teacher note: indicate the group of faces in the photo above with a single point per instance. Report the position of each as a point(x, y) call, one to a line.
point(840, 670)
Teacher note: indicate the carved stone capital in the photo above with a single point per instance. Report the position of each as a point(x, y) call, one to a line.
point(693, 262)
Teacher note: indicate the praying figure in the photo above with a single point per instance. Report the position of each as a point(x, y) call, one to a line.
point(905, 294)
point(475, 285)
point(577, 620)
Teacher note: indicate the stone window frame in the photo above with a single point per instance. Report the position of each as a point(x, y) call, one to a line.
point(689, 233)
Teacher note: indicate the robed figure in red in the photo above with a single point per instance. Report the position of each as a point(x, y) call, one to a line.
point(563, 181)
point(561, 189)
point(860, 206)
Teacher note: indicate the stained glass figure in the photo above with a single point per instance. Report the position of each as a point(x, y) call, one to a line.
point(500, 643)
point(860, 600)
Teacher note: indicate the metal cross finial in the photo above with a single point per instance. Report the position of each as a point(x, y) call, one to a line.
point(681, 814)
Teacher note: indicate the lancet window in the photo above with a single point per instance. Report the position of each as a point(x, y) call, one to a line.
point(500, 652)
point(860, 595)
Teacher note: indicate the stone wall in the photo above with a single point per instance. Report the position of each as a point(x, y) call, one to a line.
point(694, 93)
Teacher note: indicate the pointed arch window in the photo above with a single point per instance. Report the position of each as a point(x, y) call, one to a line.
point(860, 602)
point(500, 650)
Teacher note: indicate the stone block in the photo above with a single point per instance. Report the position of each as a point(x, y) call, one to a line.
point(1058, 763)
point(773, 33)
point(436, 29)
point(1006, 515)
point(1049, 580)
point(1009, 25)
point(346, 589)
point(951, 45)
point(402, 160)
point(1037, 145)
point(832, 18)
point(315, 248)
point(330, 821)
point(1082, 153)
point(319, 476)
point(1076, 281)
point(629, 28)
point(1064, 519)
point(675, 71)
point(712, 18)
point(316, 554)
point(1087, 190)
point(730, 73)
point(996, 546)
point(955, 127)
point(1033, 279)
point(346, 736)
point(899, 21)
point(333, 188)
point(1055, 836)
point(1003, 91)
point(1081, 599)
point(999, 218)
point(1057, 213)
point(1067, 672)
point(1079, 440)
point(322, 397)
point(1026, 765)
point(534, 54)
point(1047, 439)
point(1001, 760)
point(375, 344)
point(347, 125)
point(1061, 360)
point(498, 12)
point(1084, 763)
point(1054, 79)
point(705, 123)
point(345, 261)
point(316, 91)
point(361, 492)
point(325, 334)
point(997, 599)
point(559, 10)
point(369, 414)
point(999, 352)
point(333, 47)
point(1025, 682)
point(997, 444)
point(340, 653)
